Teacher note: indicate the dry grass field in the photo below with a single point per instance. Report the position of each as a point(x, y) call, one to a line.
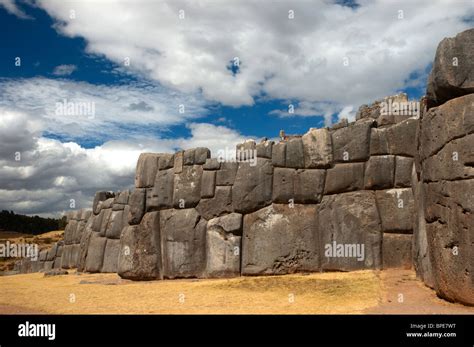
point(321, 293)
point(43, 241)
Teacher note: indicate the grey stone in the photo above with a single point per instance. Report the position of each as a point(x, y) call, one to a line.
point(397, 139)
point(178, 161)
point(279, 239)
point(279, 154)
point(317, 146)
point(442, 124)
point(163, 190)
point(201, 154)
point(283, 185)
point(111, 254)
point(95, 253)
point(105, 221)
point(100, 196)
point(107, 204)
point(140, 253)
point(84, 247)
point(188, 157)
point(166, 161)
point(226, 175)
point(264, 149)
point(352, 143)
point(137, 206)
point(147, 166)
point(403, 168)
point(396, 209)
point(454, 161)
point(183, 237)
point(208, 184)
point(294, 153)
point(448, 80)
point(122, 197)
point(309, 186)
point(379, 172)
point(253, 186)
point(55, 272)
point(115, 225)
point(349, 221)
point(187, 187)
point(212, 164)
point(397, 251)
point(344, 178)
point(219, 204)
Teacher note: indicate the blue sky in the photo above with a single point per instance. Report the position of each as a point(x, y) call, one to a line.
point(326, 59)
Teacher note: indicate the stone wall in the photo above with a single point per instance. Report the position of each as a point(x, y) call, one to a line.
point(444, 233)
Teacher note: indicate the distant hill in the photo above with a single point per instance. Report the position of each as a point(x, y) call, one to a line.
point(10, 221)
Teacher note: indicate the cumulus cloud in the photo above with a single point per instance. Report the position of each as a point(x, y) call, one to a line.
point(327, 53)
point(98, 113)
point(49, 173)
point(64, 70)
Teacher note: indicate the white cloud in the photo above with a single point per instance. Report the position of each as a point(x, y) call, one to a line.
point(291, 59)
point(120, 111)
point(12, 8)
point(51, 173)
point(64, 70)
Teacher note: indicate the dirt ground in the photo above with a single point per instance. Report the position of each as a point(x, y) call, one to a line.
point(361, 292)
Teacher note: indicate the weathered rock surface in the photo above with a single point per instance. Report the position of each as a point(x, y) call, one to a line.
point(95, 253)
point(350, 221)
point(187, 187)
point(396, 209)
point(453, 70)
point(317, 146)
point(140, 253)
point(344, 178)
point(111, 254)
point(379, 172)
point(352, 143)
point(397, 251)
point(147, 166)
point(183, 243)
point(279, 239)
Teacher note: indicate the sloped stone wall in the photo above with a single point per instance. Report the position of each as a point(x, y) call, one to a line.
point(444, 239)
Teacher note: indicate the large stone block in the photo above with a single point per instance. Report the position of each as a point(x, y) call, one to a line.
point(147, 166)
point(208, 184)
point(317, 146)
point(161, 195)
point(344, 178)
point(253, 186)
point(453, 69)
point(166, 161)
point(137, 206)
point(140, 251)
point(279, 154)
point(350, 232)
point(403, 170)
point(105, 221)
point(226, 175)
point(283, 185)
point(111, 254)
point(115, 225)
point(352, 143)
point(219, 204)
point(264, 149)
point(397, 139)
point(442, 124)
point(100, 196)
point(309, 186)
point(95, 253)
point(84, 247)
point(454, 161)
point(183, 242)
point(397, 251)
point(294, 153)
point(397, 210)
point(223, 246)
point(279, 239)
point(379, 172)
point(449, 215)
point(187, 187)
point(212, 164)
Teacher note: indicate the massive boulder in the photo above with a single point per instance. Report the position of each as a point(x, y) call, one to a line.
point(223, 246)
point(147, 166)
point(187, 186)
point(280, 239)
point(183, 243)
point(352, 143)
point(253, 186)
point(317, 147)
point(453, 70)
point(350, 232)
point(140, 252)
